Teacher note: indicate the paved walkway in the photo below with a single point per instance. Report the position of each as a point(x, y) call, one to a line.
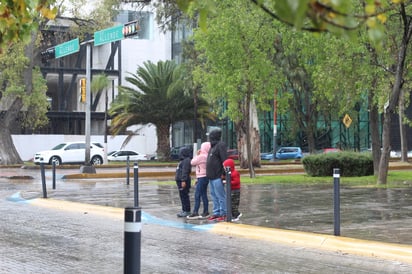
point(78, 229)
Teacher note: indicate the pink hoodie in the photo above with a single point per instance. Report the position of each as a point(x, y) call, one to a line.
point(200, 160)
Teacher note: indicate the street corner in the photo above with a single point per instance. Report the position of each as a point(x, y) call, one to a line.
point(389, 251)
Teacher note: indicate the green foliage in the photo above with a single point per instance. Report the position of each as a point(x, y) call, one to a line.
point(349, 163)
point(18, 18)
point(156, 95)
point(238, 58)
point(35, 105)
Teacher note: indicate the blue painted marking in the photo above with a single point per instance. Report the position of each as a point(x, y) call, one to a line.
point(16, 197)
point(146, 217)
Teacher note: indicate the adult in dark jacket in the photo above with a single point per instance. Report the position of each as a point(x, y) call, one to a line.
point(183, 180)
point(214, 171)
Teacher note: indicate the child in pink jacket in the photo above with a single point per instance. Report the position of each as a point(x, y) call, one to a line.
point(201, 182)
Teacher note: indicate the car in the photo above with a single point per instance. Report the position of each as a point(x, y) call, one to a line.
point(122, 155)
point(289, 153)
point(330, 150)
point(233, 154)
point(174, 152)
point(70, 153)
point(266, 155)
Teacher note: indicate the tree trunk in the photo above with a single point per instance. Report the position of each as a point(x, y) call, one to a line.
point(248, 138)
point(8, 152)
point(389, 109)
point(375, 135)
point(163, 141)
point(402, 128)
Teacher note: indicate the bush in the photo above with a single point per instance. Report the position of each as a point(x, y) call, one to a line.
point(350, 164)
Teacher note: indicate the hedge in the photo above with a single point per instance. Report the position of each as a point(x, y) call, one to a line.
point(350, 164)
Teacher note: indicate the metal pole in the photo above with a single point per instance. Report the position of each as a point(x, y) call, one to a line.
point(127, 170)
point(88, 103)
point(54, 174)
point(228, 194)
point(336, 201)
point(136, 184)
point(43, 180)
point(275, 126)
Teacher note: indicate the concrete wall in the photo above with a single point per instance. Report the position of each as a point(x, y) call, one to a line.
point(28, 145)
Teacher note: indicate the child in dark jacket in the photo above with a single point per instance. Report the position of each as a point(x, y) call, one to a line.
point(183, 180)
point(235, 189)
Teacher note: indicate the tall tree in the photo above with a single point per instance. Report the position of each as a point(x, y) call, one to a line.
point(238, 72)
point(22, 97)
point(156, 95)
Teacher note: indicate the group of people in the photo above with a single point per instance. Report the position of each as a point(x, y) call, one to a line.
point(210, 163)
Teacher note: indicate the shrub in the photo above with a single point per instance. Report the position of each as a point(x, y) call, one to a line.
point(350, 164)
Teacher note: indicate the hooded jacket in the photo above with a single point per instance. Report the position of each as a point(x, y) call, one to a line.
point(200, 160)
point(217, 154)
point(234, 174)
point(184, 168)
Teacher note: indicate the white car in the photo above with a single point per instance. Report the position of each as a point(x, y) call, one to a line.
point(122, 155)
point(70, 153)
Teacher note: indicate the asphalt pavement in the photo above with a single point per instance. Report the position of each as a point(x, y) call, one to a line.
point(79, 229)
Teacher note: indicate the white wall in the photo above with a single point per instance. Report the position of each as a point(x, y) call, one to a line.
point(28, 145)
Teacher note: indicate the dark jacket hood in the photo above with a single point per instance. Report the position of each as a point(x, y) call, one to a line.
point(184, 152)
point(214, 136)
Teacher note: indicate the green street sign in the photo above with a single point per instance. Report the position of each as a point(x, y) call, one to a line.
point(67, 48)
point(108, 35)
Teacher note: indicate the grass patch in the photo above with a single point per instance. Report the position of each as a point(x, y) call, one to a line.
point(396, 179)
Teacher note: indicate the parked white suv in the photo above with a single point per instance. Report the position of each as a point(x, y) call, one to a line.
point(70, 153)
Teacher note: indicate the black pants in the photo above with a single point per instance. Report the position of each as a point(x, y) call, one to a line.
point(235, 200)
point(184, 195)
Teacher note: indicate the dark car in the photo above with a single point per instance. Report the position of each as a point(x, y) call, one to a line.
point(174, 152)
point(233, 154)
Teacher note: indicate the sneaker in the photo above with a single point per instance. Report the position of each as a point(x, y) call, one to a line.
point(194, 216)
point(235, 219)
point(220, 219)
point(183, 214)
point(205, 215)
point(212, 218)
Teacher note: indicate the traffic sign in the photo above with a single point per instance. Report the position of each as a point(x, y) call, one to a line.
point(67, 48)
point(108, 35)
point(347, 120)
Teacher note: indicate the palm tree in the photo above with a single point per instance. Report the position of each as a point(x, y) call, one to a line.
point(157, 97)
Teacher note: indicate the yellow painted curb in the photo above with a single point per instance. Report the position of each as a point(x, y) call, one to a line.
point(381, 250)
point(106, 211)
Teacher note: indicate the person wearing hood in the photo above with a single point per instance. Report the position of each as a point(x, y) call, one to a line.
point(199, 161)
point(235, 189)
point(214, 171)
point(183, 180)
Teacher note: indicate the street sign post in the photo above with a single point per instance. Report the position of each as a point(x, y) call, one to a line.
point(109, 35)
point(67, 48)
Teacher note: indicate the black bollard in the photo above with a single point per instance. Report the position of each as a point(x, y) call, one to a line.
point(336, 200)
point(136, 184)
point(54, 174)
point(132, 230)
point(132, 239)
point(127, 170)
point(228, 194)
point(43, 180)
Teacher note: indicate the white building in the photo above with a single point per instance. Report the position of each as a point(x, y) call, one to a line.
point(114, 59)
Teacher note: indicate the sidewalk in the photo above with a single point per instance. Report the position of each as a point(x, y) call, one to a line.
point(275, 219)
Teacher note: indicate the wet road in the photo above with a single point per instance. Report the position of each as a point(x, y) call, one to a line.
point(46, 240)
point(366, 213)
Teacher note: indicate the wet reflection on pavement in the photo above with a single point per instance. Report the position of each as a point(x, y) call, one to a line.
point(366, 213)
